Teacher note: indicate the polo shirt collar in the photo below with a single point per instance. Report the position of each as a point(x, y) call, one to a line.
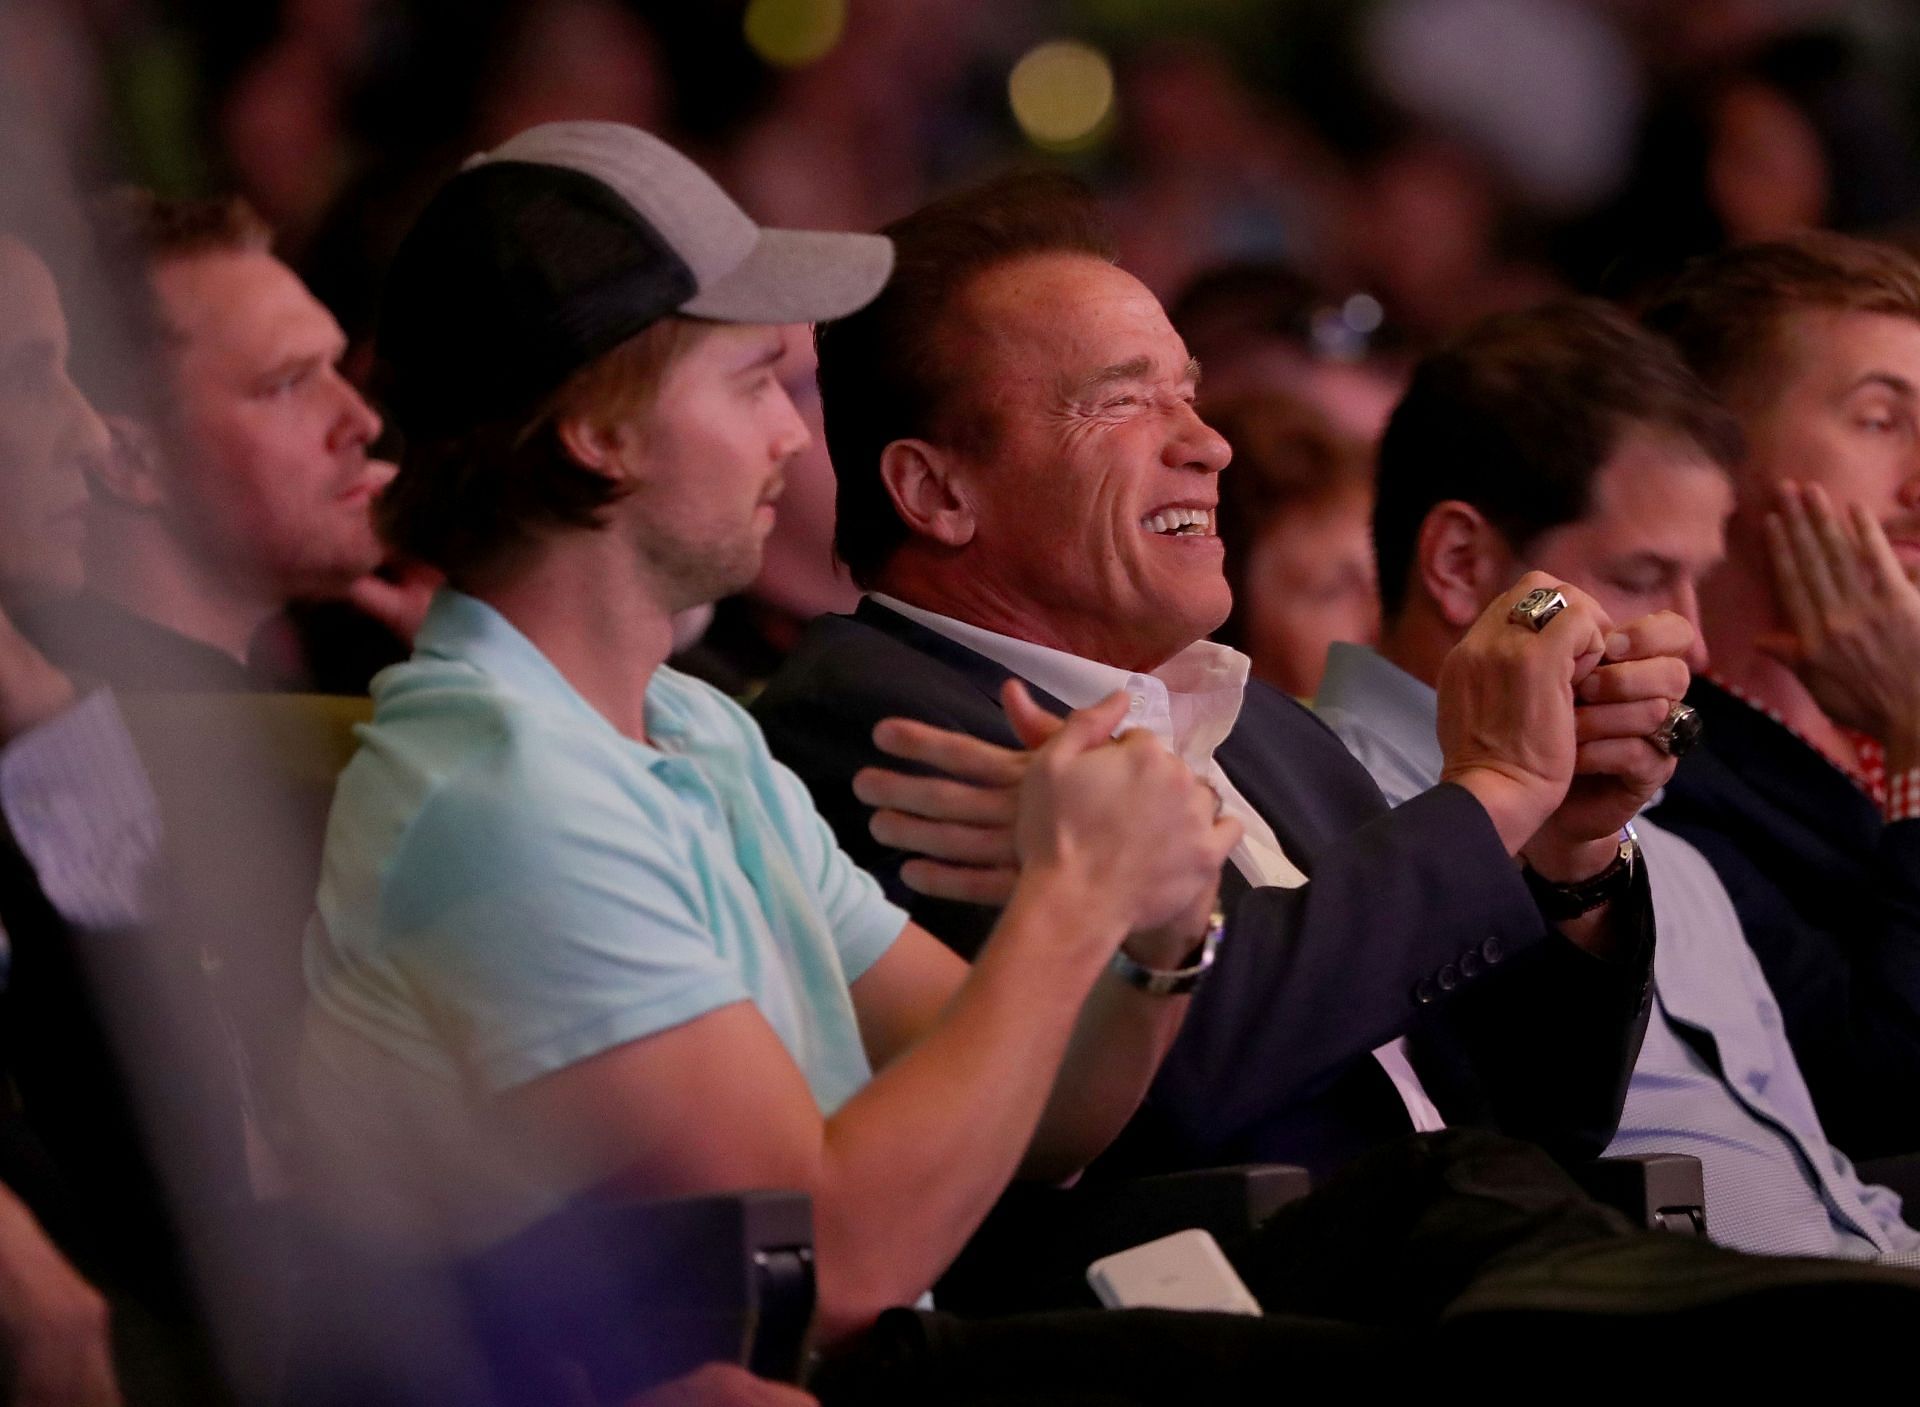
point(466, 630)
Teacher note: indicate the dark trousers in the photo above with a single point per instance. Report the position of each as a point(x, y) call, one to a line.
point(1461, 1246)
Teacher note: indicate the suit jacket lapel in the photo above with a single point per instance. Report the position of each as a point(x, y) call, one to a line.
point(984, 674)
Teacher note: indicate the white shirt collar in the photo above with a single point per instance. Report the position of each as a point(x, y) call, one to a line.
point(1191, 702)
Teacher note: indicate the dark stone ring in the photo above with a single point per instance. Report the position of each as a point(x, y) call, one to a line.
point(1680, 733)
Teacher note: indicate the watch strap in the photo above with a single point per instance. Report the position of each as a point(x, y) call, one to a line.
point(1178, 981)
point(1561, 902)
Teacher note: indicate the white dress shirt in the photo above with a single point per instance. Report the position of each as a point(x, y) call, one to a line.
point(1190, 703)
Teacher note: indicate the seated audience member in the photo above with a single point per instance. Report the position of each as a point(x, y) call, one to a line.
point(1805, 793)
point(247, 487)
point(77, 865)
point(1026, 491)
point(1622, 460)
point(1295, 517)
point(751, 632)
point(576, 929)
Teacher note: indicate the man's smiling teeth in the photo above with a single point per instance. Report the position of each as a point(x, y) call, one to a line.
point(1180, 522)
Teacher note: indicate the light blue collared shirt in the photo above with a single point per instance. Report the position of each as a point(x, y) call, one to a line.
point(511, 886)
point(1716, 1077)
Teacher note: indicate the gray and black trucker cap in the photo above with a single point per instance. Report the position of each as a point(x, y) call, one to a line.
point(564, 241)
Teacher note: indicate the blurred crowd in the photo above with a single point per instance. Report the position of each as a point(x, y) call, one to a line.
point(1319, 190)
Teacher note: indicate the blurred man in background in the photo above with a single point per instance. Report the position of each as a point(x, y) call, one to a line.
point(1296, 519)
point(1806, 792)
point(246, 485)
point(77, 881)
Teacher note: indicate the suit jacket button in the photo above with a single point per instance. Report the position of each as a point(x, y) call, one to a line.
point(1425, 992)
point(1471, 965)
point(1448, 977)
point(1492, 951)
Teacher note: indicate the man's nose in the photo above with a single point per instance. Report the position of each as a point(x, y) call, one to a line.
point(794, 435)
point(358, 423)
point(1197, 445)
point(87, 433)
point(1909, 490)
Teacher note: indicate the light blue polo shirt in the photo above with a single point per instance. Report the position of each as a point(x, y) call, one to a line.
point(510, 885)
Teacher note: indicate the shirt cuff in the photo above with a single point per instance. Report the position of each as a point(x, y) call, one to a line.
point(1903, 795)
point(77, 800)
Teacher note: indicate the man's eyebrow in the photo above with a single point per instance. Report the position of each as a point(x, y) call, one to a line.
point(1133, 369)
point(296, 361)
point(766, 356)
point(1893, 382)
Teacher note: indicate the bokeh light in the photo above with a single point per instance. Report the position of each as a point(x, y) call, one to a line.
point(1062, 94)
point(794, 33)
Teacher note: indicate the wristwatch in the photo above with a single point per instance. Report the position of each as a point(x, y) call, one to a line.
point(1178, 981)
point(1560, 902)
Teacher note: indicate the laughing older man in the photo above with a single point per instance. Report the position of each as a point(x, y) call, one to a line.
point(1025, 490)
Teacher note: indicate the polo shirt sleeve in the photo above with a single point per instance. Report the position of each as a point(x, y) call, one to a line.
point(540, 914)
point(863, 921)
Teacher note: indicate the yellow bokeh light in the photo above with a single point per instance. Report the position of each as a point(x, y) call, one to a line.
point(1062, 94)
point(794, 33)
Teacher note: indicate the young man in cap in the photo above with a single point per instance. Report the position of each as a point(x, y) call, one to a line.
point(575, 927)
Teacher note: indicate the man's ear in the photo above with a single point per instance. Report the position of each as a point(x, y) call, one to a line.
point(131, 472)
point(595, 446)
point(920, 480)
point(1463, 561)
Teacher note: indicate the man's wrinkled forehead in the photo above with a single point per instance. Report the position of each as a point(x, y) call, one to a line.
point(1069, 323)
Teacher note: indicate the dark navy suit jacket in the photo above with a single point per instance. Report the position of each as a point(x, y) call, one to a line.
point(1829, 895)
point(1415, 922)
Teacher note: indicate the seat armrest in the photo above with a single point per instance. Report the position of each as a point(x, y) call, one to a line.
point(618, 1296)
point(637, 1293)
point(1660, 1191)
point(1032, 1252)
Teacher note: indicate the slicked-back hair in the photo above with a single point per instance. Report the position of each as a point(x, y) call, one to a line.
point(1724, 310)
point(1517, 417)
point(467, 499)
point(886, 372)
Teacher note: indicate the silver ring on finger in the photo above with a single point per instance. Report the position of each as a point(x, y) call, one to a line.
point(1537, 608)
point(1679, 732)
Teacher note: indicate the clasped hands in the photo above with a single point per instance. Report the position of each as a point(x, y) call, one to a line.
point(1122, 813)
point(1551, 730)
